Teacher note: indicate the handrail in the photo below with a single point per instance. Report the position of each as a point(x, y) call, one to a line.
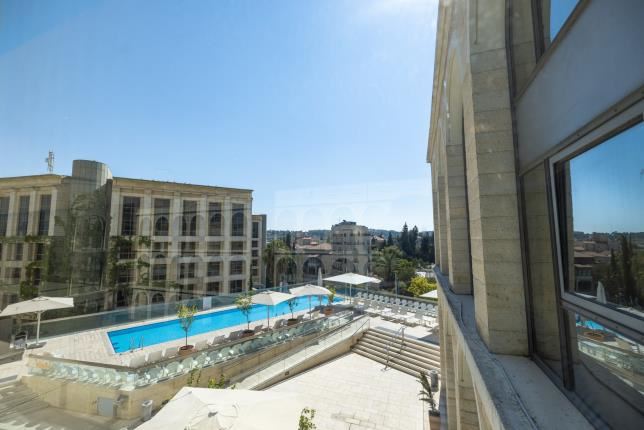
point(240, 379)
point(289, 353)
point(401, 330)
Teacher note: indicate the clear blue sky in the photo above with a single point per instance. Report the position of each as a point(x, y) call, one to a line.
point(608, 185)
point(321, 107)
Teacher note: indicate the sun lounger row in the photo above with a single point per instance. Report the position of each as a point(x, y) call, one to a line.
point(403, 315)
point(166, 369)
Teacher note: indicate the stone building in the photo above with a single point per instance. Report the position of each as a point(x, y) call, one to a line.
point(111, 241)
point(349, 249)
point(536, 136)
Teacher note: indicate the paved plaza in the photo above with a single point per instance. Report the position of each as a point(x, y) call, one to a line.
point(353, 392)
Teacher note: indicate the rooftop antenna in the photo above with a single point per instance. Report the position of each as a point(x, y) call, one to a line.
point(50, 162)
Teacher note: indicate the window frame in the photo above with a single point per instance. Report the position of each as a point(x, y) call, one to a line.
point(612, 319)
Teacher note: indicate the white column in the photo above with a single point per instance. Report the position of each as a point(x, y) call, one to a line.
point(115, 212)
point(12, 219)
point(33, 215)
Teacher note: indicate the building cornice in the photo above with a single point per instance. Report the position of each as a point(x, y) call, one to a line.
point(175, 186)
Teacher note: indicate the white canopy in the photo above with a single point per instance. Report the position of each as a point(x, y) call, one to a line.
point(270, 298)
point(432, 294)
point(213, 409)
point(38, 306)
point(310, 290)
point(353, 279)
point(320, 277)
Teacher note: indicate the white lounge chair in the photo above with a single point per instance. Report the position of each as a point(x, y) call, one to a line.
point(155, 356)
point(170, 352)
point(217, 339)
point(202, 344)
point(137, 361)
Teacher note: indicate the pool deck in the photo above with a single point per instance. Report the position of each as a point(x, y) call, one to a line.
point(94, 345)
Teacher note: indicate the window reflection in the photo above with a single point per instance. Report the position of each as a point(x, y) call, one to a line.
point(609, 372)
point(602, 195)
point(554, 15)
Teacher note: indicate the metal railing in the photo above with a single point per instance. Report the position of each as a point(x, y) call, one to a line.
point(282, 365)
point(129, 378)
point(399, 333)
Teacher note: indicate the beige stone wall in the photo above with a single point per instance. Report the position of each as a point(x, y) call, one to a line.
point(472, 152)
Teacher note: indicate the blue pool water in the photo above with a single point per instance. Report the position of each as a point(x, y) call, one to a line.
point(151, 334)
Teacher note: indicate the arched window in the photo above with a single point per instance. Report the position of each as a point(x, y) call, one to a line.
point(161, 226)
point(237, 226)
point(214, 224)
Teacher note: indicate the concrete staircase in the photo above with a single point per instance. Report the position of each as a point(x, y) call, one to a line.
point(17, 399)
point(405, 354)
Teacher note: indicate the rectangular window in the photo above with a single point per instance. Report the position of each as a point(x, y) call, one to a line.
point(159, 272)
point(599, 220)
point(214, 249)
point(214, 268)
point(255, 244)
point(236, 286)
point(125, 274)
point(39, 253)
point(130, 215)
point(600, 203)
point(187, 270)
point(255, 230)
point(16, 273)
point(253, 271)
point(254, 253)
point(126, 250)
point(160, 249)
point(36, 277)
point(0, 252)
point(236, 267)
point(188, 249)
point(23, 216)
point(237, 248)
point(213, 288)
point(43, 215)
point(4, 215)
point(214, 219)
point(189, 218)
point(161, 217)
point(18, 251)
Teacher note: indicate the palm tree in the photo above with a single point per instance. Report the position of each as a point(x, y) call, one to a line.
point(274, 252)
point(386, 262)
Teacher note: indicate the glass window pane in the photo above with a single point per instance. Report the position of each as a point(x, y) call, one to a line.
point(601, 193)
point(543, 289)
point(609, 372)
point(554, 16)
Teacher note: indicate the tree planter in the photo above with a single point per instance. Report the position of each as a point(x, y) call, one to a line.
point(247, 333)
point(434, 420)
point(291, 321)
point(327, 311)
point(186, 350)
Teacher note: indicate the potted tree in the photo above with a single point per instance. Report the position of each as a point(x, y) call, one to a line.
point(328, 310)
point(244, 303)
point(186, 315)
point(291, 306)
point(426, 394)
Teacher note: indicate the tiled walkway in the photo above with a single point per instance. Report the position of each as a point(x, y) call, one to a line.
point(353, 392)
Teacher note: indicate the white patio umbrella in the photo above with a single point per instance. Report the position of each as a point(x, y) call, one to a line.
point(433, 294)
point(601, 293)
point(320, 283)
point(204, 408)
point(310, 290)
point(38, 306)
point(353, 279)
point(270, 298)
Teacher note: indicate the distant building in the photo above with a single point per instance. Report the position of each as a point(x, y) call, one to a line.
point(349, 250)
point(111, 241)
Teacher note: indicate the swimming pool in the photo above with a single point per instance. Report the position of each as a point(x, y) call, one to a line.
point(152, 334)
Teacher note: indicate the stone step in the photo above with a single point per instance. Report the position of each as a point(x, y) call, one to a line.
point(393, 365)
point(24, 409)
point(401, 360)
point(414, 342)
point(414, 369)
point(17, 399)
point(396, 344)
point(414, 357)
